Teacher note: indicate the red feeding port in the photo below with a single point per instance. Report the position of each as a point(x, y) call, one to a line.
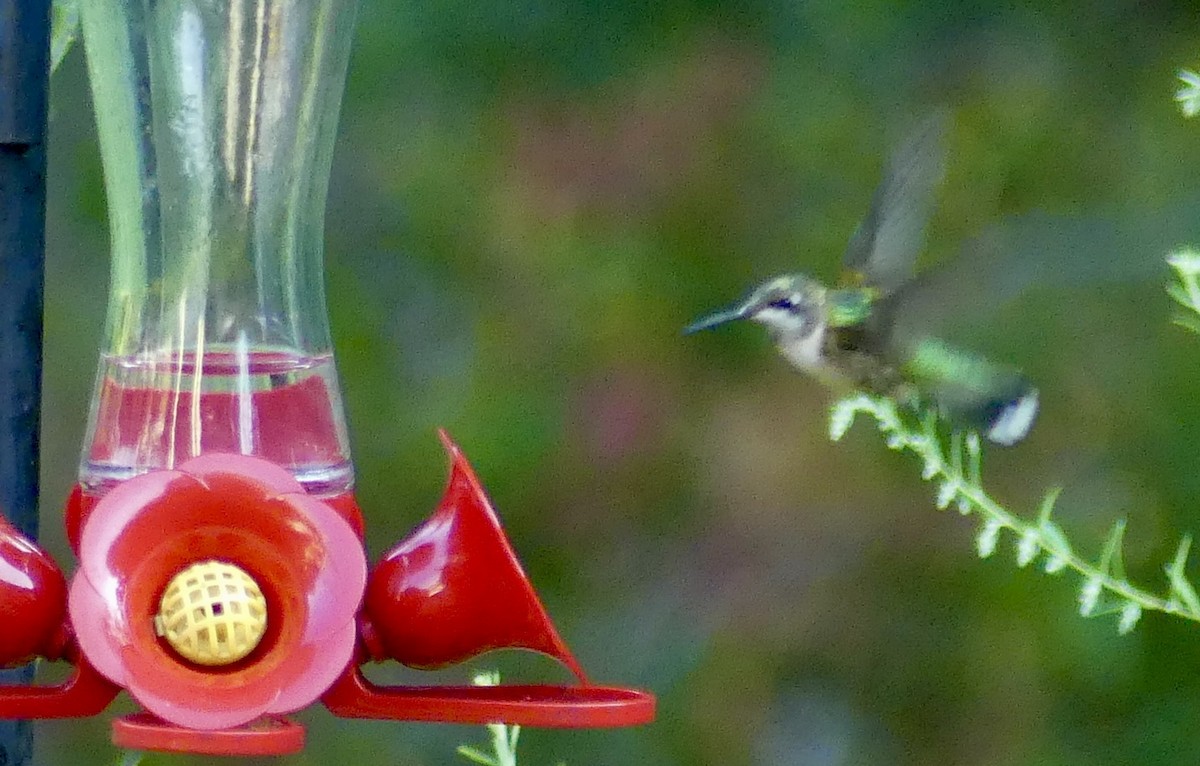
point(247, 512)
point(453, 589)
point(33, 598)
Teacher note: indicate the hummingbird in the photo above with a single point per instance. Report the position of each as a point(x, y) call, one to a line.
point(853, 335)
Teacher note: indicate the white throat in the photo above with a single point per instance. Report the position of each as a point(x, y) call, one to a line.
point(806, 352)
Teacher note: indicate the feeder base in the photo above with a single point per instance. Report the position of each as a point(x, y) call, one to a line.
point(270, 735)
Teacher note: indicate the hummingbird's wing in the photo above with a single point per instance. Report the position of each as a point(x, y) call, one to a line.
point(884, 247)
point(1034, 251)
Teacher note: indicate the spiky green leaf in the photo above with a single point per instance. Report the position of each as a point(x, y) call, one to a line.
point(476, 756)
point(1186, 261)
point(985, 541)
point(1027, 548)
point(956, 448)
point(1054, 564)
point(931, 467)
point(1181, 589)
point(841, 417)
point(964, 505)
point(1130, 614)
point(1054, 538)
point(974, 459)
point(1089, 596)
point(1111, 558)
point(1047, 506)
point(1180, 294)
point(1187, 322)
point(946, 493)
point(1188, 95)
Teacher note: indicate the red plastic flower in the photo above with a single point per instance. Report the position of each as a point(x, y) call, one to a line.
point(305, 558)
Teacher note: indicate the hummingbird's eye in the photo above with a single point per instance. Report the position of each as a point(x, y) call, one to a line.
point(782, 303)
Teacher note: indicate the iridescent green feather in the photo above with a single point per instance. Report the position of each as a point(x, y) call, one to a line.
point(849, 306)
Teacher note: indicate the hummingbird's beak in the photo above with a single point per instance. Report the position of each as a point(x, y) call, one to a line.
point(718, 318)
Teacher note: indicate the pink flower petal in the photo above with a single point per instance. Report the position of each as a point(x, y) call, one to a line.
point(116, 511)
point(309, 561)
point(99, 629)
point(315, 667)
point(275, 479)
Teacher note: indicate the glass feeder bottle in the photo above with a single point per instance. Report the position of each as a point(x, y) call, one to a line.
point(216, 121)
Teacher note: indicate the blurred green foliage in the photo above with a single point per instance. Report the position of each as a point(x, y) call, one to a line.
point(530, 200)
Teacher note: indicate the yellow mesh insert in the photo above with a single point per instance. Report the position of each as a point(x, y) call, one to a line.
point(212, 613)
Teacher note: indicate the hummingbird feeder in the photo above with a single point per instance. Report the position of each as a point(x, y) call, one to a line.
point(222, 579)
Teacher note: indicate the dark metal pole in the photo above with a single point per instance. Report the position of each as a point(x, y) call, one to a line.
point(24, 82)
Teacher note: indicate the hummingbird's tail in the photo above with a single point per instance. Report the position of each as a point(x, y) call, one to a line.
point(1004, 414)
point(972, 392)
point(1011, 420)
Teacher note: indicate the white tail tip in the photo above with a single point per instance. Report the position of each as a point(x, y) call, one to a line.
point(1014, 421)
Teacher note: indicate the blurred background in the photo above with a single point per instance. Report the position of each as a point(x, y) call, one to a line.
point(530, 200)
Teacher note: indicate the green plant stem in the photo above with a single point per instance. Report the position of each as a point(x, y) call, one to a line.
point(960, 481)
point(504, 737)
